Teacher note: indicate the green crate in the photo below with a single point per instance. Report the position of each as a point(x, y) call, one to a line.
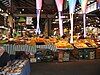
point(80, 54)
point(86, 54)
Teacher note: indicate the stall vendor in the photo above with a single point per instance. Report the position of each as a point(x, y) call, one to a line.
point(4, 57)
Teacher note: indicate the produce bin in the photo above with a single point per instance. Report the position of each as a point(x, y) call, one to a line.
point(64, 54)
point(85, 53)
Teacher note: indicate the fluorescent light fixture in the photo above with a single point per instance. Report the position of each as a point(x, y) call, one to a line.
point(56, 16)
point(64, 21)
point(6, 14)
point(3, 27)
point(54, 22)
point(0, 9)
point(22, 9)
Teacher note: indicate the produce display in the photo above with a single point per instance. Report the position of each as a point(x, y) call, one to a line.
point(15, 67)
point(52, 40)
point(3, 41)
point(85, 43)
point(97, 42)
point(17, 40)
point(90, 43)
point(44, 55)
point(80, 45)
point(31, 41)
point(38, 39)
point(85, 48)
point(63, 44)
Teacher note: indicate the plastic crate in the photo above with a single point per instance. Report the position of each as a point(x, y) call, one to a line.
point(86, 53)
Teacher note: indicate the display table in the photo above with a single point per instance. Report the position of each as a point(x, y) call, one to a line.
point(18, 67)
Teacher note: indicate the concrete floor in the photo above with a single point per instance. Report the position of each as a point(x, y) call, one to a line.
point(81, 67)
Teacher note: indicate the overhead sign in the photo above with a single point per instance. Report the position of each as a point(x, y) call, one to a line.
point(90, 8)
point(29, 20)
point(98, 1)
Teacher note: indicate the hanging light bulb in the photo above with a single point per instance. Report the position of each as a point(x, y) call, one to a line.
point(0, 9)
point(20, 12)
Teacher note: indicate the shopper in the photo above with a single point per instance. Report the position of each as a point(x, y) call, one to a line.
point(4, 57)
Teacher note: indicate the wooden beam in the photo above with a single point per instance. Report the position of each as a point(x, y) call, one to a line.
point(24, 7)
point(34, 15)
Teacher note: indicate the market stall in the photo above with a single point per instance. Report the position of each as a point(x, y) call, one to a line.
point(17, 67)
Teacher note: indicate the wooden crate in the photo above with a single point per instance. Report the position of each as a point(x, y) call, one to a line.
point(60, 55)
point(98, 53)
point(66, 56)
point(75, 53)
point(92, 54)
point(63, 55)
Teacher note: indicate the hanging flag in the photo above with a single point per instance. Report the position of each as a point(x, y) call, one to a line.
point(59, 4)
point(98, 1)
point(38, 20)
point(38, 7)
point(72, 4)
point(38, 4)
point(83, 5)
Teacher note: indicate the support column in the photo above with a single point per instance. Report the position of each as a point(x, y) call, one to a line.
point(49, 27)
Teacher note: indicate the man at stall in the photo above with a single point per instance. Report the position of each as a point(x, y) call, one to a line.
point(4, 57)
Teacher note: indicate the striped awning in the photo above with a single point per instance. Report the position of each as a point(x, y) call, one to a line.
point(7, 3)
